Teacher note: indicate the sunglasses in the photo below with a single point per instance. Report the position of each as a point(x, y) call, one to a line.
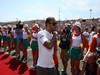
point(54, 23)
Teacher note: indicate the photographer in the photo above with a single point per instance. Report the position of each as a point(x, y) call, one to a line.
point(19, 38)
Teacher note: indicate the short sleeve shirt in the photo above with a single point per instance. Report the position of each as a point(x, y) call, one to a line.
point(45, 55)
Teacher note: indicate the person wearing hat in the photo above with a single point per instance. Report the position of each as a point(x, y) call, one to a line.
point(79, 42)
point(9, 39)
point(19, 39)
point(13, 36)
point(46, 43)
point(34, 44)
point(25, 43)
point(4, 33)
point(93, 55)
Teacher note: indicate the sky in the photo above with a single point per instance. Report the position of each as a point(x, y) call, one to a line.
point(12, 10)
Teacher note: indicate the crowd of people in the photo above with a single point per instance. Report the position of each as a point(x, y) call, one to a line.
point(75, 44)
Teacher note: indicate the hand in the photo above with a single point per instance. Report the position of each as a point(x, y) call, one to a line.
point(55, 35)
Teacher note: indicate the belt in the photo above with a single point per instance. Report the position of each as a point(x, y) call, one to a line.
point(45, 67)
point(34, 39)
point(76, 47)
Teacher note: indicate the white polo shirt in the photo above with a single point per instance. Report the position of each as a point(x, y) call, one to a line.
point(45, 59)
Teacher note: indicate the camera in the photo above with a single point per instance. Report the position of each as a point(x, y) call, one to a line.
point(19, 25)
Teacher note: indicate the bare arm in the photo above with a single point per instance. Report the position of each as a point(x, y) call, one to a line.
point(50, 44)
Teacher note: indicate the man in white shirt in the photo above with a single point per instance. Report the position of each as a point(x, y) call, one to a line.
point(46, 43)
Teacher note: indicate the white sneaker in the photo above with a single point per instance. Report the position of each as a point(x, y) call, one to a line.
point(25, 61)
point(16, 57)
point(33, 67)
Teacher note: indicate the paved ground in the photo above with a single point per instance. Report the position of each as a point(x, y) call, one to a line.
point(60, 62)
point(30, 60)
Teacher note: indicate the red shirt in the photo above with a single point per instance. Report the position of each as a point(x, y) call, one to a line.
point(93, 44)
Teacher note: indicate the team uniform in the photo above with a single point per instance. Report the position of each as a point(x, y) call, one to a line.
point(93, 55)
point(25, 45)
point(9, 39)
point(34, 45)
point(19, 42)
point(75, 52)
point(26, 41)
point(4, 33)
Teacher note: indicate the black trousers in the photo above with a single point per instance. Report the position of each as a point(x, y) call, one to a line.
point(46, 71)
